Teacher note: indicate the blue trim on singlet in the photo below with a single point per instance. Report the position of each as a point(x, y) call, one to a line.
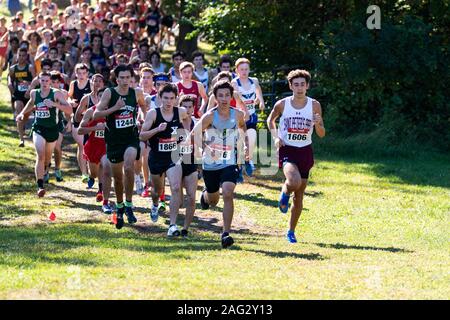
point(253, 121)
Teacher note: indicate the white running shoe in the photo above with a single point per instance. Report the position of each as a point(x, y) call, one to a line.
point(173, 231)
point(154, 213)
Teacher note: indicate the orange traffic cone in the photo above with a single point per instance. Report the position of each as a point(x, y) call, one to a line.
point(52, 216)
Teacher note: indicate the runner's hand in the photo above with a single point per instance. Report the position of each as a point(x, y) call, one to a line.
point(101, 126)
point(317, 119)
point(19, 117)
point(278, 143)
point(162, 126)
point(49, 103)
point(119, 104)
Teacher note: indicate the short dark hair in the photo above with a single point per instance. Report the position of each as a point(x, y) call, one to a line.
point(56, 75)
point(87, 48)
point(185, 98)
point(223, 84)
point(122, 68)
point(154, 53)
point(23, 50)
point(225, 58)
point(178, 53)
point(46, 62)
point(299, 74)
point(168, 87)
point(197, 53)
point(45, 74)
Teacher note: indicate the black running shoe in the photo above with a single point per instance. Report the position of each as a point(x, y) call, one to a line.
point(130, 216)
point(203, 204)
point(120, 212)
point(184, 233)
point(227, 240)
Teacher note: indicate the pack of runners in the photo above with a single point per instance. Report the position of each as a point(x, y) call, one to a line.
point(91, 71)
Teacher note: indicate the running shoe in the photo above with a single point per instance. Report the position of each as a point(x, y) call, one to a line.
point(227, 240)
point(22, 144)
point(203, 204)
point(120, 212)
point(130, 216)
point(162, 207)
point(184, 233)
point(84, 178)
point(290, 236)
point(46, 177)
point(173, 231)
point(145, 193)
point(283, 203)
point(58, 175)
point(107, 209)
point(248, 169)
point(90, 183)
point(154, 213)
point(40, 192)
point(99, 196)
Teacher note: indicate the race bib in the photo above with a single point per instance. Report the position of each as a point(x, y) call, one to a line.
point(221, 152)
point(250, 106)
point(186, 148)
point(43, 113)
point(297, 135)
point(23, 87)
point(152, 22)
point(100, 134)
point(124, 121)
point(167, 145)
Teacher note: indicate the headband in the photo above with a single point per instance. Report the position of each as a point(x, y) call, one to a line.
point(161, 78)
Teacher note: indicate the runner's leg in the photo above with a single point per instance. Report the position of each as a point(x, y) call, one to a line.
point(128, 168)
point(190, 183)
point(297, 206)
point(228, 204)
point(174, 175)
point(82, 163)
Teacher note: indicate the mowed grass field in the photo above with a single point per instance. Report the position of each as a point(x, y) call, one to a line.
point(372, 228)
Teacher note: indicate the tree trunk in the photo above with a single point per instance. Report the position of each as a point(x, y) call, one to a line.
point(187, 46)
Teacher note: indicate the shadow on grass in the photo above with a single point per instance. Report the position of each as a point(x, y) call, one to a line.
point(281, 254)
point(340, 246)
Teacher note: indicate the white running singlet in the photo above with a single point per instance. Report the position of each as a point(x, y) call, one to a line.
point(248, 96)
point(203, 79)
point(296, 125)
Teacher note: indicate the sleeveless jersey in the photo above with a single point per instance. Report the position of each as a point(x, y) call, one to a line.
point(248, 96)
point(204, 79)
point(98, 136)
point(164, 143)
point(45, 116)
point(220, 142)
point(175, 79)
point(79, 93)
point(192, 92)
point(121, 125)
point(187, 150)
point(296, 125)
point(22, 78)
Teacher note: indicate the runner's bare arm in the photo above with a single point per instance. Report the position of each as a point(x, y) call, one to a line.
point(276, 112)
point(211, 103)
point(32, 70)
point(102, 110)
point(202, 124)
point(29, 107)
point(141, 101)
point(146, 133)
point(33, 85)
point(259, 94)
point(81, 108)
point(11, 81)
point(83, 128)
point(242, 127)
point(202, 92)
point(318, 120)
point(62, 103)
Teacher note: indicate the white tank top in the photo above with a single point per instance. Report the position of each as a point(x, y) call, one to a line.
point(203, 79)
point(296, 125)
point(175, 79)
point(248, 96)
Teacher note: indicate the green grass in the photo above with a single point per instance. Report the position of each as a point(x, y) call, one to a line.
point(374, 227)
